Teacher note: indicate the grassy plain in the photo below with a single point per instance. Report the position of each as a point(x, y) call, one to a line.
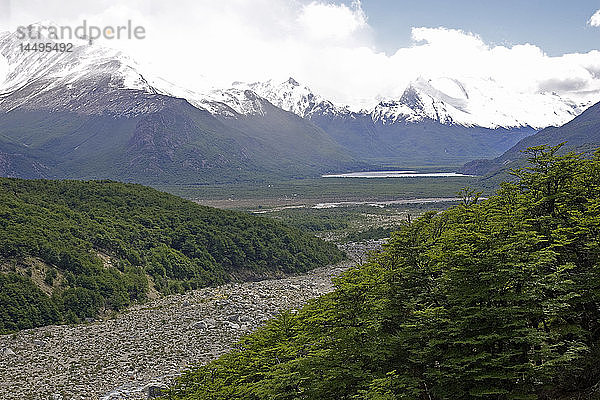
point(337, 208)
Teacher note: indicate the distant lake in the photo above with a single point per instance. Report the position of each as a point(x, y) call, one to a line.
point(395, 174)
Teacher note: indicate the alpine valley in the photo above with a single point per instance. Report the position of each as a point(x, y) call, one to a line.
point(93, 113)
point(262, 239)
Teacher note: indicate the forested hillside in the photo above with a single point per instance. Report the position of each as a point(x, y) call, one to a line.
point(494, 300)
point(70, 250)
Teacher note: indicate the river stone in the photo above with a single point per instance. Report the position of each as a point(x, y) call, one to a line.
point(147, 337)
point(211, 322)
point(6, 352)
point(155, 390)
point(199, 325)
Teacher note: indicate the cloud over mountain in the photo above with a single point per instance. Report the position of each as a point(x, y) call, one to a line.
point(329, 46)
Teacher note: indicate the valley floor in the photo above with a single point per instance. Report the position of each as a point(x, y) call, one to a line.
point(311, 192)
point(150, 343)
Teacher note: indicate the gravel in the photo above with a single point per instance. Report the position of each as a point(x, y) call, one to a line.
point(143, 349)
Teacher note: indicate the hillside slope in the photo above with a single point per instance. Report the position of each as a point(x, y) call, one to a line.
point(415, 129)
point(490, 300)
point(71, 250)
point(580, 134)
point(92, 114)
point(410, 143)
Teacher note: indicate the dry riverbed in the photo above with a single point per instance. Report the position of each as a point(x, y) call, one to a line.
point(148, 345)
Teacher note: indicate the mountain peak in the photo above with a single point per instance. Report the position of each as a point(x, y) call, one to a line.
point(465, 101)
point(56, 80)
point(473, 101)
point(411, 98)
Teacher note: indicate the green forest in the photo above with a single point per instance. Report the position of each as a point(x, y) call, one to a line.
point(495, 299)
point(71, 250)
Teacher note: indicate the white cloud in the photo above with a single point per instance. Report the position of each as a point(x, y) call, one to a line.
point(595, 19)
point(328, 46)
point(332, 22)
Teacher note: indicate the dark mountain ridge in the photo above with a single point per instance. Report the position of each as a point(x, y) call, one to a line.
point(582, 134)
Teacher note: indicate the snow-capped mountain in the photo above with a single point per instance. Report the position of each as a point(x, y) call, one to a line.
point(293, 97)
point(466, 102)
point(226, 103)
point(580, 135)
point(56, 80)
point(476, 102)
point(248, 99)
point(95, 112)
point(63, 68)
point(74, 73)
point(288, 95)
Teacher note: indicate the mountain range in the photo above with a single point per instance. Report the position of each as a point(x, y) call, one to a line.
point(95, 113)
point(580, 135)
point(91, 114)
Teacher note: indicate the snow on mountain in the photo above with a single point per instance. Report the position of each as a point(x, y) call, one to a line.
point(476, 102)
point(229, 103)
point(248, 99)
point(3, 68)
point(88, 63)
point(467, 102)
point(292, 97)
point(63, 68)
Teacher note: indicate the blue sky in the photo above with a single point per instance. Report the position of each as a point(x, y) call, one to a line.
point(556, 26)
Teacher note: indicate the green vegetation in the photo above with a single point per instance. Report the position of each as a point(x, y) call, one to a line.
point(318, 190)
point(71, 250)
point(373, 233)
point(354, 223)
point(293, 202)
point(24, 305)
point(489, 300)
point(581, 134)
point(317, 220)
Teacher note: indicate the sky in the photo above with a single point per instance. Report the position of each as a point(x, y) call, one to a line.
point(556, 26)
point(353, 52)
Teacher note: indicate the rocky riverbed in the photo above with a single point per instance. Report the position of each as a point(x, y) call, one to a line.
point(145, 347)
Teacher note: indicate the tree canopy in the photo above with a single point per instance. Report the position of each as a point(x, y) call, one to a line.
point(498, 299)
point(102, 244)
